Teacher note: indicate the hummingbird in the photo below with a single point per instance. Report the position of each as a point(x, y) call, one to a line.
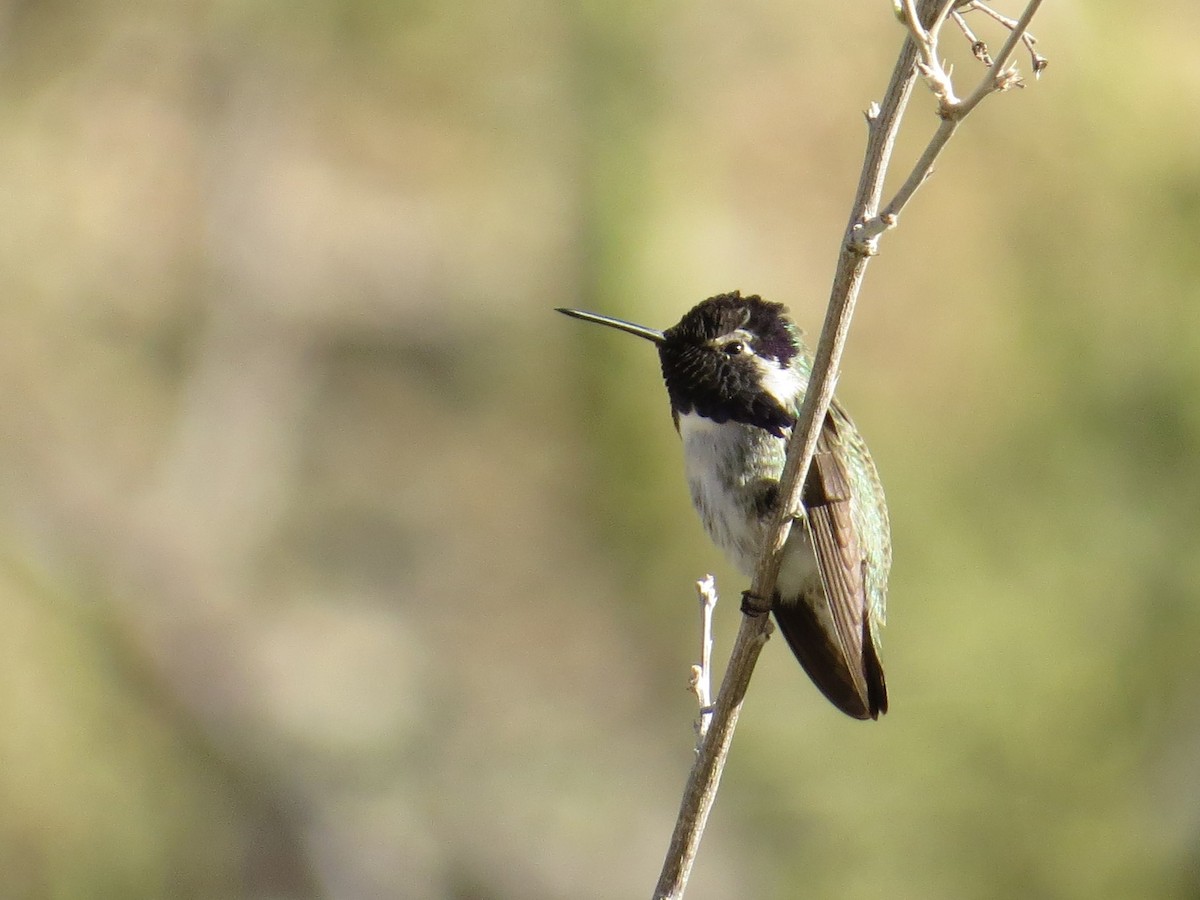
point(736, 370)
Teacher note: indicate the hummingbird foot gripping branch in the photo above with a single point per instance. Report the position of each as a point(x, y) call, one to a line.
point(754, 605)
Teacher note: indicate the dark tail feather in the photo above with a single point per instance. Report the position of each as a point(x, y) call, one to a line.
point(826, 666)
point(876, 685)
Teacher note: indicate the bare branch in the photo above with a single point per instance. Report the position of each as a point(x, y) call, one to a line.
point(978, 48)
point(1037, 61)
point(926, 37)
point(918, 58)
point(705, 777)
point(1000, 77)
point(995, 79)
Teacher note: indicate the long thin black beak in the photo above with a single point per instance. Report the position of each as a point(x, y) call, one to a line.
point(620, 324)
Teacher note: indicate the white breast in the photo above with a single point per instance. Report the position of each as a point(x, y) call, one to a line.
point(727, 466)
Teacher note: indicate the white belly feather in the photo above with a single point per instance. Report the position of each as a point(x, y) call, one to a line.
point(729, 466)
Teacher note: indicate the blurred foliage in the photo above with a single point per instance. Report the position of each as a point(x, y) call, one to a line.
point(336, 565)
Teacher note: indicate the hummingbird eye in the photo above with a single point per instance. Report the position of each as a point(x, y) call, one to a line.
point(734, 348)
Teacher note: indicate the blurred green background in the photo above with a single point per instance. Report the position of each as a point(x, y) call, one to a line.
point(337, 565)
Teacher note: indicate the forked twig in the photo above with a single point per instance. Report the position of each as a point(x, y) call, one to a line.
point(1000, 76)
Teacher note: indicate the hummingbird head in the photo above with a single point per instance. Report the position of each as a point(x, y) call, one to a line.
point(729, 359)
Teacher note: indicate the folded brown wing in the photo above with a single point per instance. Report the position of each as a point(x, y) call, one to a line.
point(842, 661)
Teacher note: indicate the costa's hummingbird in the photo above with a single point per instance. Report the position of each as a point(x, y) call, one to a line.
point(736, 371)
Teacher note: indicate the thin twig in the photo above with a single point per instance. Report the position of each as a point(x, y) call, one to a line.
point(858, 246)
point(1000, 77)
point(978, 48)
point(700, 682)
point(1037, 61)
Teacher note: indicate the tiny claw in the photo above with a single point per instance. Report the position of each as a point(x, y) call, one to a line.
point(754, 605)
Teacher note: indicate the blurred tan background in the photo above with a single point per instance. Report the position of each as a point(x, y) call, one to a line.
point(338, 565)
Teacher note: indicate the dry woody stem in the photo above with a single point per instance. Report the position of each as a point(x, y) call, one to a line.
point(917, 60)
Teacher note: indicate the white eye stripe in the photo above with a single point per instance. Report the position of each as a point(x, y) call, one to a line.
point(741, 336)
